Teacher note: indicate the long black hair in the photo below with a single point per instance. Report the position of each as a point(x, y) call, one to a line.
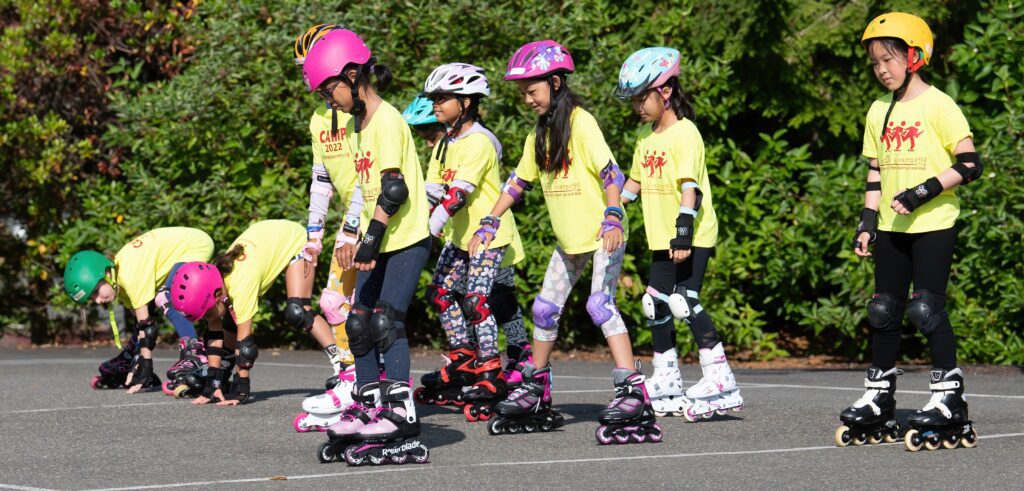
point(363, 73)
point(898, 48)
point(680, 101)
point(553, 155)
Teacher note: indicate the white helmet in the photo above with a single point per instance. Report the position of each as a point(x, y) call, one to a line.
point(457, 78)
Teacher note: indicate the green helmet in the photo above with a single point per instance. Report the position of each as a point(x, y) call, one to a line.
point(83, 272)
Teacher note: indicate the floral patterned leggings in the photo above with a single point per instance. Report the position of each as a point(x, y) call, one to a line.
point(455, 268)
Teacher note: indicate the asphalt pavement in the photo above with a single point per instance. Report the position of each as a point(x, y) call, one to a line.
point(58, 433)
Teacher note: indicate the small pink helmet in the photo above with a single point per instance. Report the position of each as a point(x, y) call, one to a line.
point(331, 54)
point(194, 289)
point(539, 59)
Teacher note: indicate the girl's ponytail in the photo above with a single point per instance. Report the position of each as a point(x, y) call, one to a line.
point(225, 263)
point(553, 155)
point(679, 101)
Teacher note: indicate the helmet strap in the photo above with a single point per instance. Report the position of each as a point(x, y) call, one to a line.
point(358, 106)
point(912, 65)
point(334, 122)
point(897, 95)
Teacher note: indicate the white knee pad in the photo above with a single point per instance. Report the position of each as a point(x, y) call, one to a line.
point(649, 305)
point(679, 305)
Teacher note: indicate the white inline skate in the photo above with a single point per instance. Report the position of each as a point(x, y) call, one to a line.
point(665, 386)
point(321, 411)
point(716, 392)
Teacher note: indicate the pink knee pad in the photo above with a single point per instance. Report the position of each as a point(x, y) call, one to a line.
point(334, 306)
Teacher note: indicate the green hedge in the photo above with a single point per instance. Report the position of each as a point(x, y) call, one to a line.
point(780, 89)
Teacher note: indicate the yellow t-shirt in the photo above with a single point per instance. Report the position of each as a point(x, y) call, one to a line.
point(387, 143)
point(333, 151)
point(661, 163)
point(574, 194)
point(918, 145)
point(144, 263)
point(269, 246)
point(473, 159)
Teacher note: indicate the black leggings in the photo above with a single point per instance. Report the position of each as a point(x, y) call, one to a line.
point(664, 276)
point(925, 260)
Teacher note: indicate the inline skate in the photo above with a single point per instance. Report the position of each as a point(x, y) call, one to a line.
point(665, 386)
point(528, 407)
point(872, 418)
point(629, 417)
point(489, 389)
point(356, 415)
point(191, 357)
point(195, 382)
point(716, 392)
point(445, 386)
point(321, 411)
point(114, 372)
point(393, 435)
point(943, 422)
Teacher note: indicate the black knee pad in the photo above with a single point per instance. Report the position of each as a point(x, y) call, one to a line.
point(148, 327)
point(503, 303)
point(212, 336)
point(296, 315)
point(885, 312)
point(247, 353)
point(385, 325)
point(927, 311)
point(475, 308)
point(360, 339)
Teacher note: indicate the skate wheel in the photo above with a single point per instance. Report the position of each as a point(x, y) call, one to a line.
point(420, 395)
point(512, 428)
point(679, 414)
point(440, 401)
point(970, 440)
point(376, 459)
point(325, 453)
point(660, 414)
point(350, 456)
point(858, 440)
point(622, 436)
point(458, 402)
point(494, 428)
point(603, 435)
point(690, 416)
point(485, 415)
point(842, 436)
point(95, 382)
point(639, 437)
point(398, 458)
point(952, 442)
point(529, 427)
point(470, 412)
point(297, 423)
point(933, 443)
point(875, 439)
point(180, 391)
point(166, 388)
point(547, 426)
point(654, 433)
point(892, 435)
point(913, 441)
point(721, 412)
point(421, 459)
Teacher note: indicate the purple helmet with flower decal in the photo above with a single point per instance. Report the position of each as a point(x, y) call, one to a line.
point(538, 60)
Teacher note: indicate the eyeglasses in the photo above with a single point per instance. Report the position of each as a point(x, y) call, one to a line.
point(327, 91)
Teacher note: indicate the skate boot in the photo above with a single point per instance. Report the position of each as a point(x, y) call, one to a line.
point(716, 392)
point(114, 372)
point(528, 407)
point(872, 418)
point(196, 381)
point(320, 412)
point(665, 386)
point(943, 422)
point(393, 435)
point(489, 389)
point(142, 373)
point(191, 357)
point(345, 431)
point(629, 417)
point(513, 374)
point(444, 386)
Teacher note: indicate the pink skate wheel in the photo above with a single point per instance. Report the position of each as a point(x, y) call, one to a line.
point(95, 382)
point(296, 423)
point(166, 388)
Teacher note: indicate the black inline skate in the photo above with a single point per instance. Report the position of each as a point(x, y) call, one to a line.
point(142, 374)
point(114, 372)
point(393, 435)
point(629, 417)
point(191, 357)
point(353, 418)
point(528, 407)
point(444, 386)
point(198, 382)
point(489, 389)
point(943, 422)
point(872, 418)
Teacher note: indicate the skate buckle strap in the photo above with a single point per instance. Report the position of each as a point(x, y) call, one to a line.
point(334, 398)
point(876, 384)
point(947, 385)
point(936, 403)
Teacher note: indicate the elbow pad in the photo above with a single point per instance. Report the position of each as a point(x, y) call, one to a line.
point(969, 174)
point(512, 191)
point(393, 192)
point(611, 174)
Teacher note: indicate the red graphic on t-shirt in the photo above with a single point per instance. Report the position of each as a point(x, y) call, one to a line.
point(363, 165)
point(448, 175)
point(900, 134)
point(653, 162)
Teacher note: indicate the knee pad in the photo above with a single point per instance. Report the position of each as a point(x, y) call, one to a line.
point(545, 314)
point(360, 340)
point(440, 297)
point(655, 306)
point(296, 315)
point(684, 303)
point(601, 308)
point(148, 327)
point(385, 327)
point(503, 303)
point(885, 312)
point(247, 353)
point(927, 311)
point(332, 303)
point(475, 308)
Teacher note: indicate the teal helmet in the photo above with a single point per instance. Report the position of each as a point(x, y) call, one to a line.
point(420, 111)
point(83, 272)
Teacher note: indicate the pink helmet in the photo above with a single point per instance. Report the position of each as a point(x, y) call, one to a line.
point(331, 54)
point(539, 59)
point(194, 289)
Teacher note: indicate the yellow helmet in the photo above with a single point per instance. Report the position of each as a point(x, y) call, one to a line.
point(910, 28)
point(305, 40)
